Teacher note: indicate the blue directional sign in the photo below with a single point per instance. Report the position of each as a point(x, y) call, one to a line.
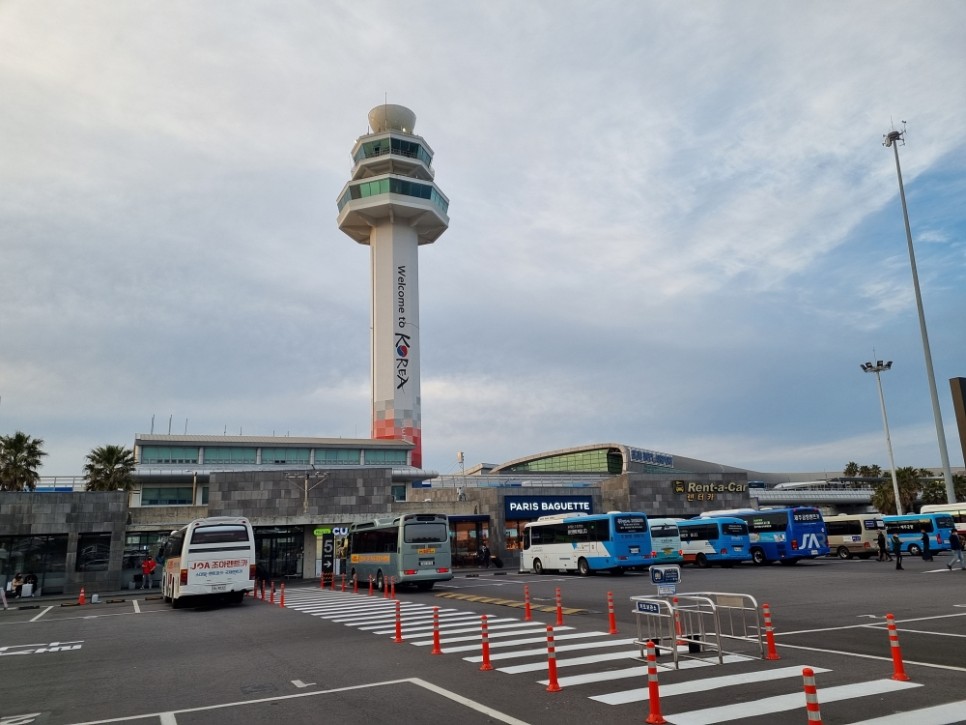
point(665, 574)
point(649, 607)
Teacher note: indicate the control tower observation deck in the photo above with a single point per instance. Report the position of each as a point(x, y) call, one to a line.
point(393, 205)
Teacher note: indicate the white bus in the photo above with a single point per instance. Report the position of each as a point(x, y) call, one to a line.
point(413, 549)
point(211, 556)
point(854, 535)
point(586, 543)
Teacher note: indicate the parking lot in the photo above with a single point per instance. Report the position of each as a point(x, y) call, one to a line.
point(132, 658)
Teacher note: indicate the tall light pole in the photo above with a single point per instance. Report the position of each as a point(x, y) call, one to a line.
point(877, 368)
point(893, 139)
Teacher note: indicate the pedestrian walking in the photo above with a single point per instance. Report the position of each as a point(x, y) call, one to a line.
point(897, 550)
point(880, 542)
point(926, 553)
point(956, 545)
point(484, 555)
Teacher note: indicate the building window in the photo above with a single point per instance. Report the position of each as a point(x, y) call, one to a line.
point(226, 454)
point(298, 456)
point(169, 454)
point(166, 496)
point(338, 456)
point(397, 458)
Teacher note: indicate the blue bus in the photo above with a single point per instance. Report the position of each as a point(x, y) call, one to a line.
point(708, 541)
point(786, 535)
point(909, 528)
point(587, 543)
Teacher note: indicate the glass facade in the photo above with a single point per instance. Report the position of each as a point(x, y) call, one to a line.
point(43, 556)
point(598, 460)
point(93, 551)
point(393, 185)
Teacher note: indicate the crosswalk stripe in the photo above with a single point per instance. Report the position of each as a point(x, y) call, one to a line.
point(641, 671)
point(569, 662)
point(948, 714)
point(561, 648)
point(516, 642)
point(473, 629)
point(640, 694)
point(784, 703)
point(445, 636)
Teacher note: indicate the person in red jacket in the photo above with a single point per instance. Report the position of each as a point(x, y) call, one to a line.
point(147, 571)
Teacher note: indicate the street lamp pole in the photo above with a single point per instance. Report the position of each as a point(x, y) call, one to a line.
point(877, 368)
point(893, 138)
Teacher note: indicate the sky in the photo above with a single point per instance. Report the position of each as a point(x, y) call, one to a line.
point(672, 225)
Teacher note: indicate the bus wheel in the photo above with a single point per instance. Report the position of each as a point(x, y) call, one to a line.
point(758, 557)
point(843, 552)
point(914, 550)
point(583, 568)
point(702, 561)
point(537, 567)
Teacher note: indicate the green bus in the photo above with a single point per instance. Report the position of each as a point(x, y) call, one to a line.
point(412, 548)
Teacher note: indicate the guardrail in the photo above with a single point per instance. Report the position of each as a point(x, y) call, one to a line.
point(699, 625)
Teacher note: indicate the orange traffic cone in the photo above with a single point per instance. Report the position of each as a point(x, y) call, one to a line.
point(81, 599)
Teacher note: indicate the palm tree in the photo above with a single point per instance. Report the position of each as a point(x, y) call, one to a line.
point(19, 460)
point(110, 468)
point(851, 469)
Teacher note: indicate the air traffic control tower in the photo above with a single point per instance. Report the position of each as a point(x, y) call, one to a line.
point(393, 204)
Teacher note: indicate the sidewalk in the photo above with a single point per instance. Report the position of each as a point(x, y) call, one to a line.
point(43, 600)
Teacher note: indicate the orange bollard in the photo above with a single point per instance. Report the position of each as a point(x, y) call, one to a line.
point(654, 716)
point(485, 640)
point(898, 671)
point(552, 684)
point(355, 583)
point(343, 582)
point(322, 580)
point(81, 599)
point(271, 594)
point(281, 598)
point(436, 647)
point(811, 697)
point(677, 622)
point(385, 587)
point(261, 584)
point(610, 613)
point(769, 634)
point(526, 604)
point(392, 582)
point(398, 637)
point(559, 610)
point(370, 585)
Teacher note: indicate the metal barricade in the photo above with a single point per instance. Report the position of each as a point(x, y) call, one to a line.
point(701, 625)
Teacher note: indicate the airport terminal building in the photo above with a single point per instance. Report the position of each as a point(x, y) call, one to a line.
point(301, 494)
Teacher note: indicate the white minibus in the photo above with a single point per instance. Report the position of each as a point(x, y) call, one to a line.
point(853, 534)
